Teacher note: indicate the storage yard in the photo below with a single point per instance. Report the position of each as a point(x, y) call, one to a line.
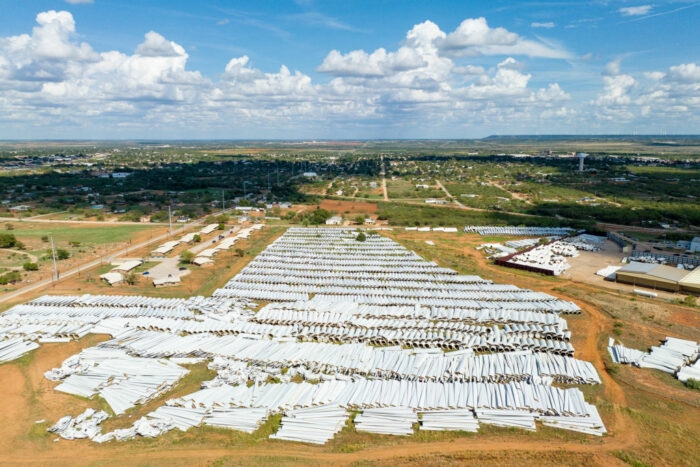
point(396, 299)
point(321, 335)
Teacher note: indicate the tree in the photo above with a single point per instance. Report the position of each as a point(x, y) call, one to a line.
point(8, 241)
point(45, 238)
point(360, 219)
point(132, 278)
point(187, 257)
point(221, 226)
point(196, 238)
point(62, 254)
point(10, 277)
point(239, 252)
point(361, 237)
point(29, 266)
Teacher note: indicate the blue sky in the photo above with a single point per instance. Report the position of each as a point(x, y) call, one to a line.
point(354, 69)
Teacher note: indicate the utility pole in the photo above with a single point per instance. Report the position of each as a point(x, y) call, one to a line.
point(55, 268)
point(170, 220)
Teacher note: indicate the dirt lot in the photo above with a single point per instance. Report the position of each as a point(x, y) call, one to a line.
point(348, 207)
point(584, 267)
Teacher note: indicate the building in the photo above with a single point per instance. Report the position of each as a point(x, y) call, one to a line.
point(335, 220)
point(112, 278)
point(691, 282)
point(166, 281)
point(654, 276)
point(310, 174)
point(127, 266)
point(202, 261)
point(695, 244)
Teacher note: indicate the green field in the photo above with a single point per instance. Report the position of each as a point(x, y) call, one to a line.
point(80, 233)
point(406, 189)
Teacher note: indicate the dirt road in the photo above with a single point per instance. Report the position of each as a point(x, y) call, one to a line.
point(384, 190)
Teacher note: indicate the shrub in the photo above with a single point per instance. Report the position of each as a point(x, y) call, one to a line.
point(221, 226)
point(10, 277)
point(361, 237)
point(690, 300)
point(45, 238)
point(62, 254)
point(8, 241)
point(30, 266)
point(693, 383)
point(196, 238)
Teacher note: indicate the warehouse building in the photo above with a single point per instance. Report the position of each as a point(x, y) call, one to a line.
point(691, 282)
point(659, 276)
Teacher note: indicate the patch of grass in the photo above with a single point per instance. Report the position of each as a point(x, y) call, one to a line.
point(693, 383)
point(630, 459)
point(25, 360)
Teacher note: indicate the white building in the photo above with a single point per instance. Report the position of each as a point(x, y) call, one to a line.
point(695, 244)
point(335, 220)
point(112, 278)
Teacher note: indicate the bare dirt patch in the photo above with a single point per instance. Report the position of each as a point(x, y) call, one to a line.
point(348, 207)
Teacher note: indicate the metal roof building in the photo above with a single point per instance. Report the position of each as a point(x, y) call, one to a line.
point(655, 276)
point(691, 282)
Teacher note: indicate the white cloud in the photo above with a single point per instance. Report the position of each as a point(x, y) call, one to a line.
point(635, 10)
point(378, 63)
point(613, 68)
point(474, 37)
point(545, 25)
point(688, 73)
point(156, 45)
point(50, 79)
point(671, 97)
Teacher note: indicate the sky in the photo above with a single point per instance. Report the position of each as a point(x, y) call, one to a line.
point(306, 69)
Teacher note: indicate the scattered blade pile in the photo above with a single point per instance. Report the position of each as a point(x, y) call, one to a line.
point(123, 381)
point(449, 420)
point(676, 356)
point(485, 230)
point(312, 425)
point(387, 420)
point(351, 325)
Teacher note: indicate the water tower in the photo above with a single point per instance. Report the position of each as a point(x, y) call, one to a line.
point(581, 156)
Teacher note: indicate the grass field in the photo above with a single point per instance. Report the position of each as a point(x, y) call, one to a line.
point(79, 232)
point(406, 189)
